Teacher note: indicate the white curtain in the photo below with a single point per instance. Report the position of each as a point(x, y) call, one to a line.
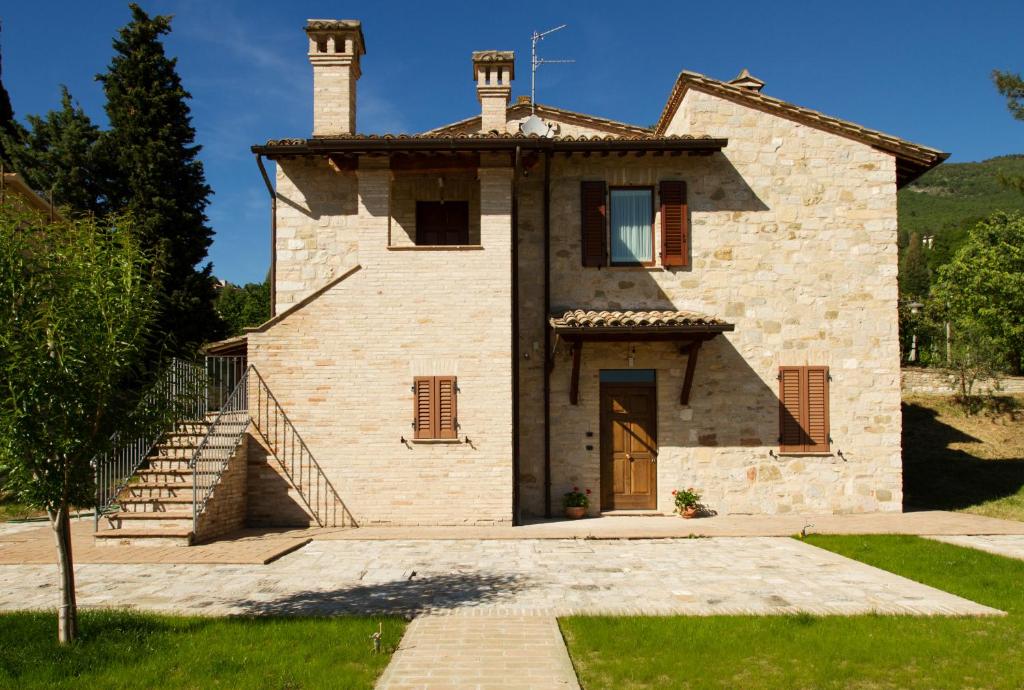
point(631, 226)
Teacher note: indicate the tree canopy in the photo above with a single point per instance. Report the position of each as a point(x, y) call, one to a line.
point(76, 312)
point(244, 306)
point(981, 291)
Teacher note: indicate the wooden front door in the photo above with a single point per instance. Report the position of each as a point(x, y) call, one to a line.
point(629, 448)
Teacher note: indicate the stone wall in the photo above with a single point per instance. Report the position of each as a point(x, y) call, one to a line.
point(225, 510)
point(794, 241)
point(942, 382)
point(342, 366)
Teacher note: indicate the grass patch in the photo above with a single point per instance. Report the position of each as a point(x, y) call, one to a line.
point(953, 460)
point(11, 509)
point(119, 649)
point(825, 652)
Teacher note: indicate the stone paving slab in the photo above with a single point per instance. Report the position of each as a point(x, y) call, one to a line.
point(507, 652)
point(27, 543)
point(740, 575)
point(1011, 546)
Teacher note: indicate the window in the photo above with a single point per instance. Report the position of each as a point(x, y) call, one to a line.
point(617, 228)
point(803, 409)
point(441, 223)
point(435, 412)
point(631, 228)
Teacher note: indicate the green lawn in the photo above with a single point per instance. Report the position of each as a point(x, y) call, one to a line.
point(825, 652)
point(128, 650)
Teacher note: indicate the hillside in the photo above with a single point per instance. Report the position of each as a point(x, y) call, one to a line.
point(946, 200)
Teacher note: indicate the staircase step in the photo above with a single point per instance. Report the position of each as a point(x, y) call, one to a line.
point(168, 463)
point(164, 476)
point(178, 519)
point(144, 537)
point(158, 506)
point(142, 491)
point(160, 452)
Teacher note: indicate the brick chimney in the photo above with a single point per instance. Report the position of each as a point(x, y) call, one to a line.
point(334, 49)
point(493, 71)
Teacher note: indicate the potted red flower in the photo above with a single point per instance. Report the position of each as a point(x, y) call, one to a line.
point(687, 502)
point(575, 503)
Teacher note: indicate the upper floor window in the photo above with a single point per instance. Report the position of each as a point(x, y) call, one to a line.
point(631, 225)
point(617, 226)
point(440, 223)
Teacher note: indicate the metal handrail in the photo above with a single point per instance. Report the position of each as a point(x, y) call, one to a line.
point(113, 470)
point(295, 459)
point(220, 443)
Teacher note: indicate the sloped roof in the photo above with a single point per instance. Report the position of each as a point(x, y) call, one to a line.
point(485, 141)
point(521, 109)
point(912, 160)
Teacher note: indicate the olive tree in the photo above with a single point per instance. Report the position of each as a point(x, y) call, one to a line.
point(76, 317)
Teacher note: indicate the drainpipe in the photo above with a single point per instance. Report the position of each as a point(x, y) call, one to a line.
point(547, 339)
point(273, 235)
point(515, 339)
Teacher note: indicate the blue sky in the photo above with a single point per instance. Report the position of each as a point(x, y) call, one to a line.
point(919, 70)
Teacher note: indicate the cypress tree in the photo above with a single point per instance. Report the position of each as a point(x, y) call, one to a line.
point(157, 177)
point(914, 279)
point(58, 154)
point(9, 129)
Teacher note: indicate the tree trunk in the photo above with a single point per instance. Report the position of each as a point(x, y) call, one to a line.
point(67, 613)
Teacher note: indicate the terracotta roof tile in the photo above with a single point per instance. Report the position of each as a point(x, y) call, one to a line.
point(580, 318)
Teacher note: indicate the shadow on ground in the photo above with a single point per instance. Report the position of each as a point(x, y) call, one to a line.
point(938, 477)
point(412, 596)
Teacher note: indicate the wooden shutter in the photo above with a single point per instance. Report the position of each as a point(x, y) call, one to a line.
point(447, 412)
point(791, 437)
point(817, 410)
point(423, 406)
point(435, 407)
point(675, 230)
point(593, 223)
point(803, 409)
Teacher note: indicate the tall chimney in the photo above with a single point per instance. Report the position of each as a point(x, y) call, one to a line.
point(493, 71)
point(334, 49)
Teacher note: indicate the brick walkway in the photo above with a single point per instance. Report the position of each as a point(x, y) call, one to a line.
point(506, 652)
point(1011, 546)
point(33, 543)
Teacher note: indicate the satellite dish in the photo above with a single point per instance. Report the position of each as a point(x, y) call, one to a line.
point(535, 126)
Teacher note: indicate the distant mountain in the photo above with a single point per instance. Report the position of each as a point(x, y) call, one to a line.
point(945, 202)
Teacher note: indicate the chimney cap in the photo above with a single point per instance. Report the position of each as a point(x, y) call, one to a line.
point(328, 26)
point(495, 57)
point(746, 80)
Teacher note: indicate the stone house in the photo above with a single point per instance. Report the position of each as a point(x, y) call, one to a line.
point(470, 321)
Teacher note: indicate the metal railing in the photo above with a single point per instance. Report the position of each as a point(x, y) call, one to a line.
point(220, 443)
point(176, 391)
point(222, 376)
point(294, 457)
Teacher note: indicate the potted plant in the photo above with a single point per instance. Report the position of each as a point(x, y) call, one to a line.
point(687, 502)
point(575, 503)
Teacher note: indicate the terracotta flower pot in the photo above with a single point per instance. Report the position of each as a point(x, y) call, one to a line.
point(690, 512)
point(575, 512)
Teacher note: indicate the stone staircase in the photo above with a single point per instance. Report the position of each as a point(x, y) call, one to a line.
point(155, 507)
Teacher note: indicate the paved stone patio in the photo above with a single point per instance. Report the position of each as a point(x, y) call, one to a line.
point(551, 577)
point(507, 652)
point(1009, 545)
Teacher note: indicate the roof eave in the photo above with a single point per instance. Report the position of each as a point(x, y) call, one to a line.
point(327, 146)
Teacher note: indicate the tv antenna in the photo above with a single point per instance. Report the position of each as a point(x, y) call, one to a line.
point(536, 62)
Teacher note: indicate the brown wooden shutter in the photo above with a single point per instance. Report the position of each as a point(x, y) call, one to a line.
point(447, 410)
point(675, 231)
point(593, 223)
point(791, 437)
point(803, 410)
point(423, 406)
point(816, 428)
